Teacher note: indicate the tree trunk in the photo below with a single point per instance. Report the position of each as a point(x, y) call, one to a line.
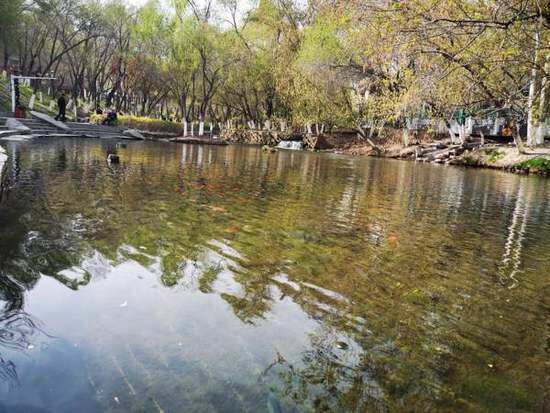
point(544, 104)
point(517, 139)
point(450, 130)
point(533, 113)
point(406, 137)
point(363, 135)
point(201, 126)
point(462, 133)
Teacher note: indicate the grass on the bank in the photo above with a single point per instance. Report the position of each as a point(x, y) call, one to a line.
point(142, 123)
point(494, 155)
point(539, 166)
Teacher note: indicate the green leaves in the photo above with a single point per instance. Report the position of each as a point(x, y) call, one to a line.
point(340, 63)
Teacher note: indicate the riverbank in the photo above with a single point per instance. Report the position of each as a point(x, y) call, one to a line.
point(423, 146)
point(494, 156)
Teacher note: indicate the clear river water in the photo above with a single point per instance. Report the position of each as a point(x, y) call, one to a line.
point(225, 279)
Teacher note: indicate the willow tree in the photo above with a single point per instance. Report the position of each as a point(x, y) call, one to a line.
point(499, 52)
point(249, 90)
point(9, 13)
point(355, 66)
point(147, 64)
point(419, 57)
point(183, 69)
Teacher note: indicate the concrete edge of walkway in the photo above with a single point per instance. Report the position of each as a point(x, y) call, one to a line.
point(10, 132)
point(14, 124)
point(50, 120)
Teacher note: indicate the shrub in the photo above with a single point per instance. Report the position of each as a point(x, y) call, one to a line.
point(142, 123)
point(539, 166)
point(494, 155)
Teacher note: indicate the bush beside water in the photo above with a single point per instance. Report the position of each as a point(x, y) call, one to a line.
point(142, 123)
point(539, 166)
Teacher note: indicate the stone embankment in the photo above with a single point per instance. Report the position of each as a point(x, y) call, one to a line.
point(432, 149)
point(42, 125)
point(494, 156)
point(436, 152)
point(272, 138)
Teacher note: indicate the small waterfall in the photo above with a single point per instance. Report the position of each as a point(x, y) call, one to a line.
point(294, 145)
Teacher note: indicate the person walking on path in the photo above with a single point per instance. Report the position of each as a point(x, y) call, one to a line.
point(62, 105)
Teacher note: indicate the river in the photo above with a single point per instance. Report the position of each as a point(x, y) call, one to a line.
point(206, 278)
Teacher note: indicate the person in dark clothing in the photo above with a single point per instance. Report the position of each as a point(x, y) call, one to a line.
point(111, 118)
point(62, 105)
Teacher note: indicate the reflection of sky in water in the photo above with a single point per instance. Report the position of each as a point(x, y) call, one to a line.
point(226, 279)
point(127, 317)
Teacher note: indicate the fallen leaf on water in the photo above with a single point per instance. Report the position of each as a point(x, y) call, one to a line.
point(233, 230)
point(392, 238)
point(218, 209)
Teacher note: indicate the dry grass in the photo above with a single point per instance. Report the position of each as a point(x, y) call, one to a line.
point(142, 123)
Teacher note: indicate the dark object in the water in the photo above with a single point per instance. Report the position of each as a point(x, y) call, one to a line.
point(341, 345)
point(112, 158)
point(273, 405)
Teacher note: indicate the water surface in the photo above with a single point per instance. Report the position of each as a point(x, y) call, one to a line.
point(205, 278)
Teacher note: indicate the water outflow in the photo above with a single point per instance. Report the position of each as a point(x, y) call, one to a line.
point(295, 145)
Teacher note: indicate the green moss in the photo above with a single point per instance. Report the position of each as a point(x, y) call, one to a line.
point(534, 166)
point(417, 296)
point(494, 155)
point(208, 277)
point(497, 394)
point(470, 160)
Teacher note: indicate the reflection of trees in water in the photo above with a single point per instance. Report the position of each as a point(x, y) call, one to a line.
point(328, 378)
point(18, 329)
point(510, 266)
point(8, 372)
point(17, 332)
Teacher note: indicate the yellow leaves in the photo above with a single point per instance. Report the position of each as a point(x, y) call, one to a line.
point(235, 229)
point(392, 240)
point(218, 209)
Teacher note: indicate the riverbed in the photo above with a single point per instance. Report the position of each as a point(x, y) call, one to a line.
point(224, 278)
